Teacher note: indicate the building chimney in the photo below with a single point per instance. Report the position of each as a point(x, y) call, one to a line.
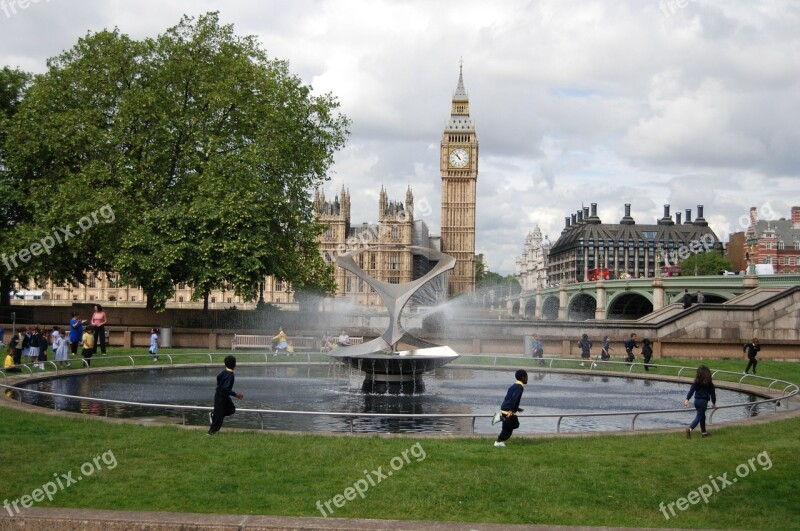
point(574, 219)
point(592, 218)
point(585, 213)
point(580, 216)
point(796, 217)
point(688, 216)
point(667, 219)
point(700, 220)
point(566, 222)
point(627, 219)
point(677, 218)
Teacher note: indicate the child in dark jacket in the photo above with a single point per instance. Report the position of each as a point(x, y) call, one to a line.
point(647, 353)
point(703, 390)
point(510, 407)
point(223, 405)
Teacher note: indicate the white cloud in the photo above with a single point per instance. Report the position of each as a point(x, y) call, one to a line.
point(606, 102)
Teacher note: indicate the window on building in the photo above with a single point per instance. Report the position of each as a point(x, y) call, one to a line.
point(394, 261)
point(180, 299)
point(781, 245)
point(213, 299)
point(395, 234)
point(278, 285)
point(373, 261)
point(91, 281)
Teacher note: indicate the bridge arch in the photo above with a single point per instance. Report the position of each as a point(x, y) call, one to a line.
point(530, 307)
point(629, 305)
point(581, 307)
point(550, 307)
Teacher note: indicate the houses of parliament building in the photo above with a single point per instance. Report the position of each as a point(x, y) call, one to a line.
point(387, 256)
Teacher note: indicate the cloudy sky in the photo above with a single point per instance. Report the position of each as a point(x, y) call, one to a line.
point(648, 102)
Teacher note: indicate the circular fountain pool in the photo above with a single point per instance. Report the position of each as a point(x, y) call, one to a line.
point(323, 387)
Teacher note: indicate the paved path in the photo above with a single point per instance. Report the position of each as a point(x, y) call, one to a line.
point(40, 519)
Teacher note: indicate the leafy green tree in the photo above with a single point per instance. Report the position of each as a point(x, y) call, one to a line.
point(13, 83)
point(205, 149)
point(710, 263)
point(480, 269)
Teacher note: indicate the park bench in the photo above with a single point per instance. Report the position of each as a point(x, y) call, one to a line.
point(299, 343)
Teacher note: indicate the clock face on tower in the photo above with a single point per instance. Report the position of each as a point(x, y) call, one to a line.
point(459, 158)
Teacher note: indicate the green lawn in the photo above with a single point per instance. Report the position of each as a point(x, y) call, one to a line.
point(593, 480)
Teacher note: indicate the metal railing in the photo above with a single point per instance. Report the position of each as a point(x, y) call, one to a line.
point(789, 390)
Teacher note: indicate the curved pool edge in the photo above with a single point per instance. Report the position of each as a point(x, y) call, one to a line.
point(760, 391)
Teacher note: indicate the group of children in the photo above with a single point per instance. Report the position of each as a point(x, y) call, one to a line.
point(585, 344)
point(31, 345)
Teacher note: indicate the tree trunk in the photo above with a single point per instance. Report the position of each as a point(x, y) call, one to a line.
point(5, 291)
point(205, 301)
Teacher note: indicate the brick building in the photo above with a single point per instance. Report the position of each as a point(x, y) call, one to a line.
point(775, 242)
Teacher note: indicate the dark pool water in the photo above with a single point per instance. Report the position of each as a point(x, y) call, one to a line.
point(322, 387)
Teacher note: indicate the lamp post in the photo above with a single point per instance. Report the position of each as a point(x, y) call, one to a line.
point(751, 265)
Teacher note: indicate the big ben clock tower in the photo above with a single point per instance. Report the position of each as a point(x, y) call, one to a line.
point(458, 162)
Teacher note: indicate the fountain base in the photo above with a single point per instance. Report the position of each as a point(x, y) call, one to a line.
point(398, 366)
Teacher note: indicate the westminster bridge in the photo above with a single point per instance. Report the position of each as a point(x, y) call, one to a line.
point(631, 299)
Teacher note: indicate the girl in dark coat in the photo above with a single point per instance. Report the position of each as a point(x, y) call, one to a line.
point(703, 390)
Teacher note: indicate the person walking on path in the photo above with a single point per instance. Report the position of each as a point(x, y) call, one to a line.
point(510, 407)
point(537, 349)
point(703, 390)
point(647, 353)
point(752, 349)
point(154, 344)
point(586, 348)
point(629, 346)
point(99, 324)
point(223, 405)
point(687, 299)
point(605, 352)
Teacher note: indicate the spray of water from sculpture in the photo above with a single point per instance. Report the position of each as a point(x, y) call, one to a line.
point(387, 368)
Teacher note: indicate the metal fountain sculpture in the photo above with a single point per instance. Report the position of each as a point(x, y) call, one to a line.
point(387, 368)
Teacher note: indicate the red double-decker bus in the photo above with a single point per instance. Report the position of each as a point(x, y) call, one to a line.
point(598, 273)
